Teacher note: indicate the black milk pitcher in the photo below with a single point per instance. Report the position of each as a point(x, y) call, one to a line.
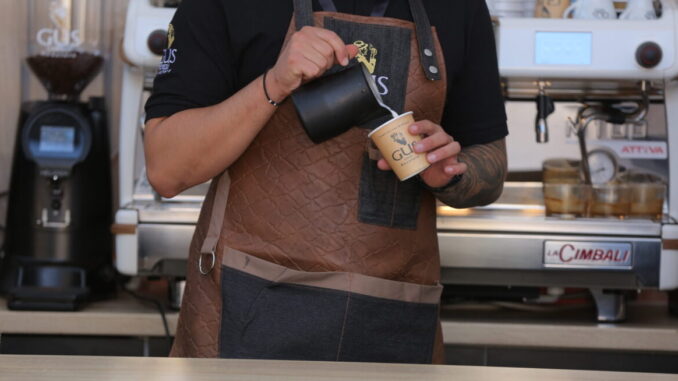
point(332, 104)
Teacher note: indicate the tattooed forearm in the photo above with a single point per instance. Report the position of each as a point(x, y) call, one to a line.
point(483, 182)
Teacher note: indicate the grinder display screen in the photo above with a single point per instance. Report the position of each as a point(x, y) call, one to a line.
point(57, 139)
point(563, 48)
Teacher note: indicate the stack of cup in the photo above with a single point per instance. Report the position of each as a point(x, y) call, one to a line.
point(608, 9)
point(552, 8)
point(529, 7)
point(508, 8)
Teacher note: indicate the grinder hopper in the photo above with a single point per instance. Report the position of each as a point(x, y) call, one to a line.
point(64, 49)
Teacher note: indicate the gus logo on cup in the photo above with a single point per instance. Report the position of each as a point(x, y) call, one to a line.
point(402, 152)
point(396, 145)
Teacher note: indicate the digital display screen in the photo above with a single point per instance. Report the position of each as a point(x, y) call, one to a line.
point(563, 48)
point(57, 139)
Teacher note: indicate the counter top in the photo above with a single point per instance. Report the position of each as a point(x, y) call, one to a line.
point(124, 316)
point(75, 368)
point(649, 326)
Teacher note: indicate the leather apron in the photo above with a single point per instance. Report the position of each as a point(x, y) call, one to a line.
point(281, 265)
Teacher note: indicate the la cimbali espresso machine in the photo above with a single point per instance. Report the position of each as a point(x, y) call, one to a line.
point(58, 250)
point(592, 201)
point(614, 77)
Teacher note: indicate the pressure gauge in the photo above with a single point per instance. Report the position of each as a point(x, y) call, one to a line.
point(603, 166)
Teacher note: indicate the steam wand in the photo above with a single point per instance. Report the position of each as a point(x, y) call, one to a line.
point(545, 108)
point(609, 115)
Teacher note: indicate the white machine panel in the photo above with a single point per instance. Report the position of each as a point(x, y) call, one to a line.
point(142, 20)
point(558, 48)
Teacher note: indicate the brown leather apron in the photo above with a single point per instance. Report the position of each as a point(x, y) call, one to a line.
point(284, 217)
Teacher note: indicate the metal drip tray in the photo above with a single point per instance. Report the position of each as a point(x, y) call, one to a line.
point(520, 209)
point(531, 220)
point(160, 212)
point(184, 208)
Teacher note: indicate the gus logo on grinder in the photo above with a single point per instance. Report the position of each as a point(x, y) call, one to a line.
point(60, 36)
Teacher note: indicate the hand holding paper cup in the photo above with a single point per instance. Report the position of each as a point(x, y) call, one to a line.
point(396, 145)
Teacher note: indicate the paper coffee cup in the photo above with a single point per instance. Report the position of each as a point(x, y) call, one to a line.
point(396, 145)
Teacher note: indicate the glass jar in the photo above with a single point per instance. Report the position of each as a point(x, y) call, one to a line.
point(561, 171)
point(566, 200)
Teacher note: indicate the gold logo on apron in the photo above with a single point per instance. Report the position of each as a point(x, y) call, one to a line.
point(367, 55)
point(170, 36)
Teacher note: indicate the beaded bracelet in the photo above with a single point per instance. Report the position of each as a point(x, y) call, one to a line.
point(268, 98)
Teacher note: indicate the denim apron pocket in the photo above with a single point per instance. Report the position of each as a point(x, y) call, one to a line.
point(273, 312)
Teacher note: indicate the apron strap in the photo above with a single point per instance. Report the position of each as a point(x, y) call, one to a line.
point(303, 13)
point(209, 245)
point(427, 51)
point(379, 9)
point(327, 5)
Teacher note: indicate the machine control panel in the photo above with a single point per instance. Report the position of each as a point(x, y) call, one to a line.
point(563, 48)
point(589, 49)
point(649, 55)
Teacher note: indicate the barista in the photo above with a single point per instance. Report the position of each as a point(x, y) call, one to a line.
point(318, 252)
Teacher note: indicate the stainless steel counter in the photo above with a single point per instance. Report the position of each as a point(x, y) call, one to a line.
point(57, 368)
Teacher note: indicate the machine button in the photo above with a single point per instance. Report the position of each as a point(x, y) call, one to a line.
point(649, 55)
point(157, 41)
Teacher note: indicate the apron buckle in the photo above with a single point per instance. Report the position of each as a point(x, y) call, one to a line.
point(211, 266)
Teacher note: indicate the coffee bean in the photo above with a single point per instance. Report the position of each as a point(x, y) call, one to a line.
point(65, 74)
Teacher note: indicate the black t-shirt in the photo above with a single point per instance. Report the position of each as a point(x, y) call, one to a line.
point(217, 47)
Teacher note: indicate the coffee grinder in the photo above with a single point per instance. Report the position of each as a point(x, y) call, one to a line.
point(58, 250)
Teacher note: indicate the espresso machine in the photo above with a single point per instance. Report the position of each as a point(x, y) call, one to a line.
point(58, 245)
point(152, 233)
point(606, 101)
point(615, 76)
